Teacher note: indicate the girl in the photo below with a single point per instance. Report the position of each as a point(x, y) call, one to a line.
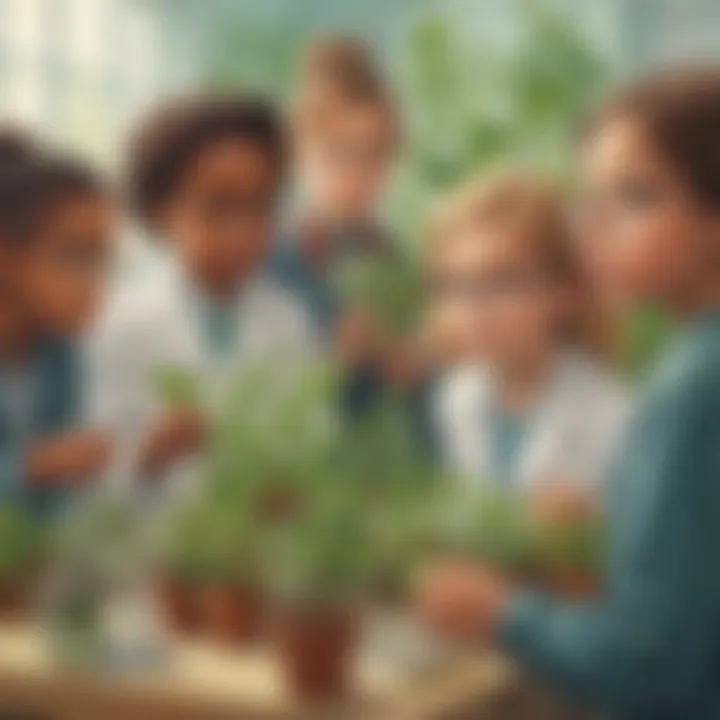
point(531, 403)
point(55, 237)
point(648, 647)
point(204, 175)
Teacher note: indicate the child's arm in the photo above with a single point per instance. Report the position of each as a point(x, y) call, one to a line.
point(177, 434)
point(68, 459)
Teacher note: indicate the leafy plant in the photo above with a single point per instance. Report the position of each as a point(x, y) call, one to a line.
point(176, 386)
point(389, 291)
point(23, 543)
point(212, 540)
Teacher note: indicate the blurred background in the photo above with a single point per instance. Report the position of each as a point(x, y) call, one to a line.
point(479, 79)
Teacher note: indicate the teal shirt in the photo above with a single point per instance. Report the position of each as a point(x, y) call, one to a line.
point(507, 437)
point(54, 407)
point(218, 327)
point(649, 647)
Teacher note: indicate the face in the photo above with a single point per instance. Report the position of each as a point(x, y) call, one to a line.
point(61, 274)
point(645, 236)
point(344, 168)
point(220, 217)
point(495, 302)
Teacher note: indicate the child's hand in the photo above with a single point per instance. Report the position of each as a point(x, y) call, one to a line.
point(462, 600)
point(357, 337)
point(73, 457)
point(179, 432)
point(563, 501)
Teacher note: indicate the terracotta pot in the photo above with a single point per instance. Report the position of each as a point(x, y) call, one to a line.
point(179, 602)
point(16, 599)
point(317, 646)
point(574, 583)
point(232, 614)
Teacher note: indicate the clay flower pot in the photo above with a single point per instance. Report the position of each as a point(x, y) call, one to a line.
point(232, 614)
point(574, 583)
point(16, 599)
point(317, 646)
point(179, 603)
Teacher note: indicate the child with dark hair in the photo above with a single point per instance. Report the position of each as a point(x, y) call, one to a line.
point(56, 224)
point(648, 645)
point(203, 176)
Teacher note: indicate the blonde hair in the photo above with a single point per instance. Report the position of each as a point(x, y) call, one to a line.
point(529, 212)
point(338, 72)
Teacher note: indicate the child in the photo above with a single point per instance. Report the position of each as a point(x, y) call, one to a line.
point(56, 227)
point(345, 135)
point(647, 647)
point(531, 404)
point(204, 175)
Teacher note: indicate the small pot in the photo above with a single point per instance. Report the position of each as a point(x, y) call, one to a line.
point(317, 646)
point(574, 583)
point(232, 614)
point(16, 599)
point(179, 602)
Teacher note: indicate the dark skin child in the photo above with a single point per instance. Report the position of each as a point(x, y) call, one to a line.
point(55, 283)
point(220, 221)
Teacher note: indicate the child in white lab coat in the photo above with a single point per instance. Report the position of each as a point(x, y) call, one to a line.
point(203, 176)
point(529, 403)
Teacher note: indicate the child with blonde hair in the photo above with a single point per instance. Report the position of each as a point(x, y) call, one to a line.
point(531, 402)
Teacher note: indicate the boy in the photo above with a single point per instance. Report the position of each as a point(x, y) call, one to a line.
point(204, 175)
point(56, 226)
point(345, 140)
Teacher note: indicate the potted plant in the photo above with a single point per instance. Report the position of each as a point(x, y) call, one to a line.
point(497, 527)
point(22, 554)
point(319, 572)
point(180, 570)
point(571, 551)
point(231, 594)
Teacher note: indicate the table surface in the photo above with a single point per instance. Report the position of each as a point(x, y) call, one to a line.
point(203, 681)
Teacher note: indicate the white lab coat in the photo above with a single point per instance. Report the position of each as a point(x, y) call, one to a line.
point(572, 433)
point(146, 327)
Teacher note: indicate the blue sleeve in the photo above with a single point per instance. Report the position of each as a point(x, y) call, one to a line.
point(650, 642)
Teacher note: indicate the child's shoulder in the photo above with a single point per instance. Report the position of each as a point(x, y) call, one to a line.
point(140, 307)
point(590, 378)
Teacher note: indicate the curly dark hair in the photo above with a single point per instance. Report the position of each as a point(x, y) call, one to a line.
point(171, 137)
point(16, 146)
point(36, 187)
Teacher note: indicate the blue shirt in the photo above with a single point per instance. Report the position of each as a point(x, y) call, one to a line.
point(52, 406)
point(507, 437)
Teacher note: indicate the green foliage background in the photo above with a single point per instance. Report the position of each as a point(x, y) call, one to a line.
point(470, 102)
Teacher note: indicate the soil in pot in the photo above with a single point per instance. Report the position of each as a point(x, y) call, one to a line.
point(180, 607)
point(232, 614)
point(318, 646)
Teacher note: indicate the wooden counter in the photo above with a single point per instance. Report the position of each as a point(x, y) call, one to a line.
point(203, 682)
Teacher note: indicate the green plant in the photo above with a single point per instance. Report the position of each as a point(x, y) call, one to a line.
point(176, 386)
point(211, 540)
point(572, 545)
point(23, 543)
point(389, 291)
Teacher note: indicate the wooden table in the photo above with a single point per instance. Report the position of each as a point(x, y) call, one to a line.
point(204, 682)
